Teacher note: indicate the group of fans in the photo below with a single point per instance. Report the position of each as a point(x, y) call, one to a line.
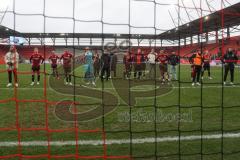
point(136, 63)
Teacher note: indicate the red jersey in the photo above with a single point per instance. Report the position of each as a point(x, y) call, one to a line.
point(207, 58)
point(67, 59)
point(163, 58)
point(127, 59)
point(36, 59)
point(54, 59)
point(138, 59)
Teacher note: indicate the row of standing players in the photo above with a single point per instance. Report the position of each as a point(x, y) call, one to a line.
point(36, 59)
point(108, 62)
point(201, 62)
point(94, 65)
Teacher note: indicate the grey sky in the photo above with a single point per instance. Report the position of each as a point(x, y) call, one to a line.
point(115, 11)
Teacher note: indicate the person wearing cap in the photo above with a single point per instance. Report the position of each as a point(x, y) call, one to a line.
point(197, 60)
point(12, 59)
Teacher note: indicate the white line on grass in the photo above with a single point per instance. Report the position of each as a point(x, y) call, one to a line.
point(121, 141)
point(139, 89)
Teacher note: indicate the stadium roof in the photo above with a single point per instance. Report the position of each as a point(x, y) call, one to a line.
point(6, 32)
point(211, 23)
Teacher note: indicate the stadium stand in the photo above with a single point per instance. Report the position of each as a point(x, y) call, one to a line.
point(185, 51)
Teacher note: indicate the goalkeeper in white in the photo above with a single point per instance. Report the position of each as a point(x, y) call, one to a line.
point(11, 60)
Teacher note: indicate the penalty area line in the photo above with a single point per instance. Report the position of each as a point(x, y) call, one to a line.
point(121, 141)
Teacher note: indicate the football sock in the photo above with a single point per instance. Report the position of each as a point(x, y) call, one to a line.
point(10, 76)
point(33, 77)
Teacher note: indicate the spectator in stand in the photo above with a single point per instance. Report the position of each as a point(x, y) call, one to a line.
point(11, 60)
point(173, 60)
point(152, 63)
point(229, 60)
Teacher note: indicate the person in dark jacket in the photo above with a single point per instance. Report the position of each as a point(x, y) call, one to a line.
point(127, 61)
point(105, 65)
point(229, 60)
point(113, 66)
point(173, 60)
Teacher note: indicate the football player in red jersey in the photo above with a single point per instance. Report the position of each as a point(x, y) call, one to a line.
point(67, 66)
point(138, 60)
point(54, 63)
point(36, 60)
point(163, 66)
point(206, 64)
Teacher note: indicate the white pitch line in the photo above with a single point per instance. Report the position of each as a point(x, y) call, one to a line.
point(138, 89)
point(121, 141)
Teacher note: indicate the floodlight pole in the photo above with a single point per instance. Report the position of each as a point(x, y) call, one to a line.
point(191, 39)
point(29, 41)
point(198, 38)
point(206, 36)
point(78, 41)
point(90, 41)
point(228, 32)
point(53, 40)
point(66, 41)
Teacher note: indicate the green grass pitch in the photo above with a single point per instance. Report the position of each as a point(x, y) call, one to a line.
point(209, 108)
